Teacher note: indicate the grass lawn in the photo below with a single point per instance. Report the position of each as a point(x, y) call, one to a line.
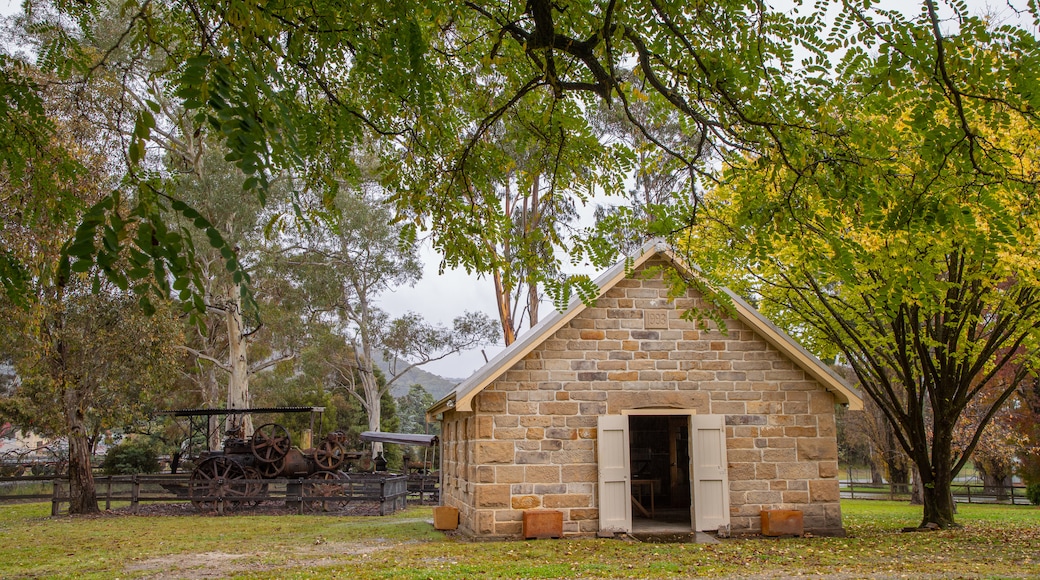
point(995, 542)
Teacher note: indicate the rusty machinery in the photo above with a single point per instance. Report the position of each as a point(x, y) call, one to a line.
point(237, 473)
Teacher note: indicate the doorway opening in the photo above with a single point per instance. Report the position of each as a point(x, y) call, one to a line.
point(659, 452)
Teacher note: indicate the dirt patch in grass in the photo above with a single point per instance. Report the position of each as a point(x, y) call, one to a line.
point(221, 564)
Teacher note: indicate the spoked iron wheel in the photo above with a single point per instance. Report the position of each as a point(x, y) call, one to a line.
point(270, 443)
point(271, 470)
point(330, 455)
point(216, 480)
point(321, 485)
point(255, 489)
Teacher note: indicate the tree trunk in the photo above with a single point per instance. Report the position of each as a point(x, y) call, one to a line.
point(211, 397)
point(993, 483)
point(505, 315)
point(916, 490)
point(238, 382)
point(82, 495)
point(936, 487)
point(938, 503)
point(373, 404)
point(532, 302)
point(875, 473)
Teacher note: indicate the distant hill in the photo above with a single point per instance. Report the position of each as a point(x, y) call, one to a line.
point(435, 385)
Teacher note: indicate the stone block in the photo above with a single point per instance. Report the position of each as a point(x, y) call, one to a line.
point(509, 474)
point(765, 470)
point(584, 514)
point(573, 456)
point(796, 497)
point(800, 431)
point(828, 469)
point(566, 500)
point(561, 433)
point(485, 427)
point(743, 455)
point(491, 402)
point(508, 529)
point(511, 434)
point(485, 522)
point(779, 455)
point(817, 449)
point(592, 335)
point(782, 523)
point(492, 496)
point(765, 497)
point(542, 473)
point(488, 452)
point(623, 376)
point(525, 502)
point(826, 426)
point(741, 471)
point(795, 407)
point(558, 408)
point(796, 470)
point(820, 490)
point(821, 403)
point(534, 420)
point(763, 407)
point(579, 473)
point(532, 457)
point(728, 408)
point(551, 445)
point(485, 474)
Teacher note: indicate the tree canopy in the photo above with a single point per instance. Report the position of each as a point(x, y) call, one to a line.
point(881, 164)
point(903, 235)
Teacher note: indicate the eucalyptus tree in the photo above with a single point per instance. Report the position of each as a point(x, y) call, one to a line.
point(236, 339)
point(345, 267)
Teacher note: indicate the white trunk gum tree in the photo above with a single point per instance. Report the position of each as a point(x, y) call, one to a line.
point(237, 366)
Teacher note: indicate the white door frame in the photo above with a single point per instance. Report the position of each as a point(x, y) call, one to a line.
point(708, 469)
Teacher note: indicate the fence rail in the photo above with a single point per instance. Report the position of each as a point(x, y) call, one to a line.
point(299, 493)
point(962, 492)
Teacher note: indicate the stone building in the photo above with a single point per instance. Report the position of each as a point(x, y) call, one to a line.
point(623, 409)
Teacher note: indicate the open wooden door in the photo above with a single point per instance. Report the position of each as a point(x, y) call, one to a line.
point(615, 506)
point(708, 472)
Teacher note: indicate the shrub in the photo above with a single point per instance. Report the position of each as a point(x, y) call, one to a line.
point(1033, 493)
point(130, 457)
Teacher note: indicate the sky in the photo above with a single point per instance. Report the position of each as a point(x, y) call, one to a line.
point(441, 297)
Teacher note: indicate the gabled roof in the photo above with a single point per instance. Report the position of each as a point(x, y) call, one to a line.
point(461, 398)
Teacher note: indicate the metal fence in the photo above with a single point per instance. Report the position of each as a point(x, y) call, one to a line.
point(301, 494)
point(962, 492)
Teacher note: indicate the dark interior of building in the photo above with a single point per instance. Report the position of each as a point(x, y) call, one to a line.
point(660, 461)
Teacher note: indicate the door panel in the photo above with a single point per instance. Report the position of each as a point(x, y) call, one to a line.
point(615, 506)
point(709, 473)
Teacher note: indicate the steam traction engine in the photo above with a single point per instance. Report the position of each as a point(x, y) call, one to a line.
point(239, 473)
